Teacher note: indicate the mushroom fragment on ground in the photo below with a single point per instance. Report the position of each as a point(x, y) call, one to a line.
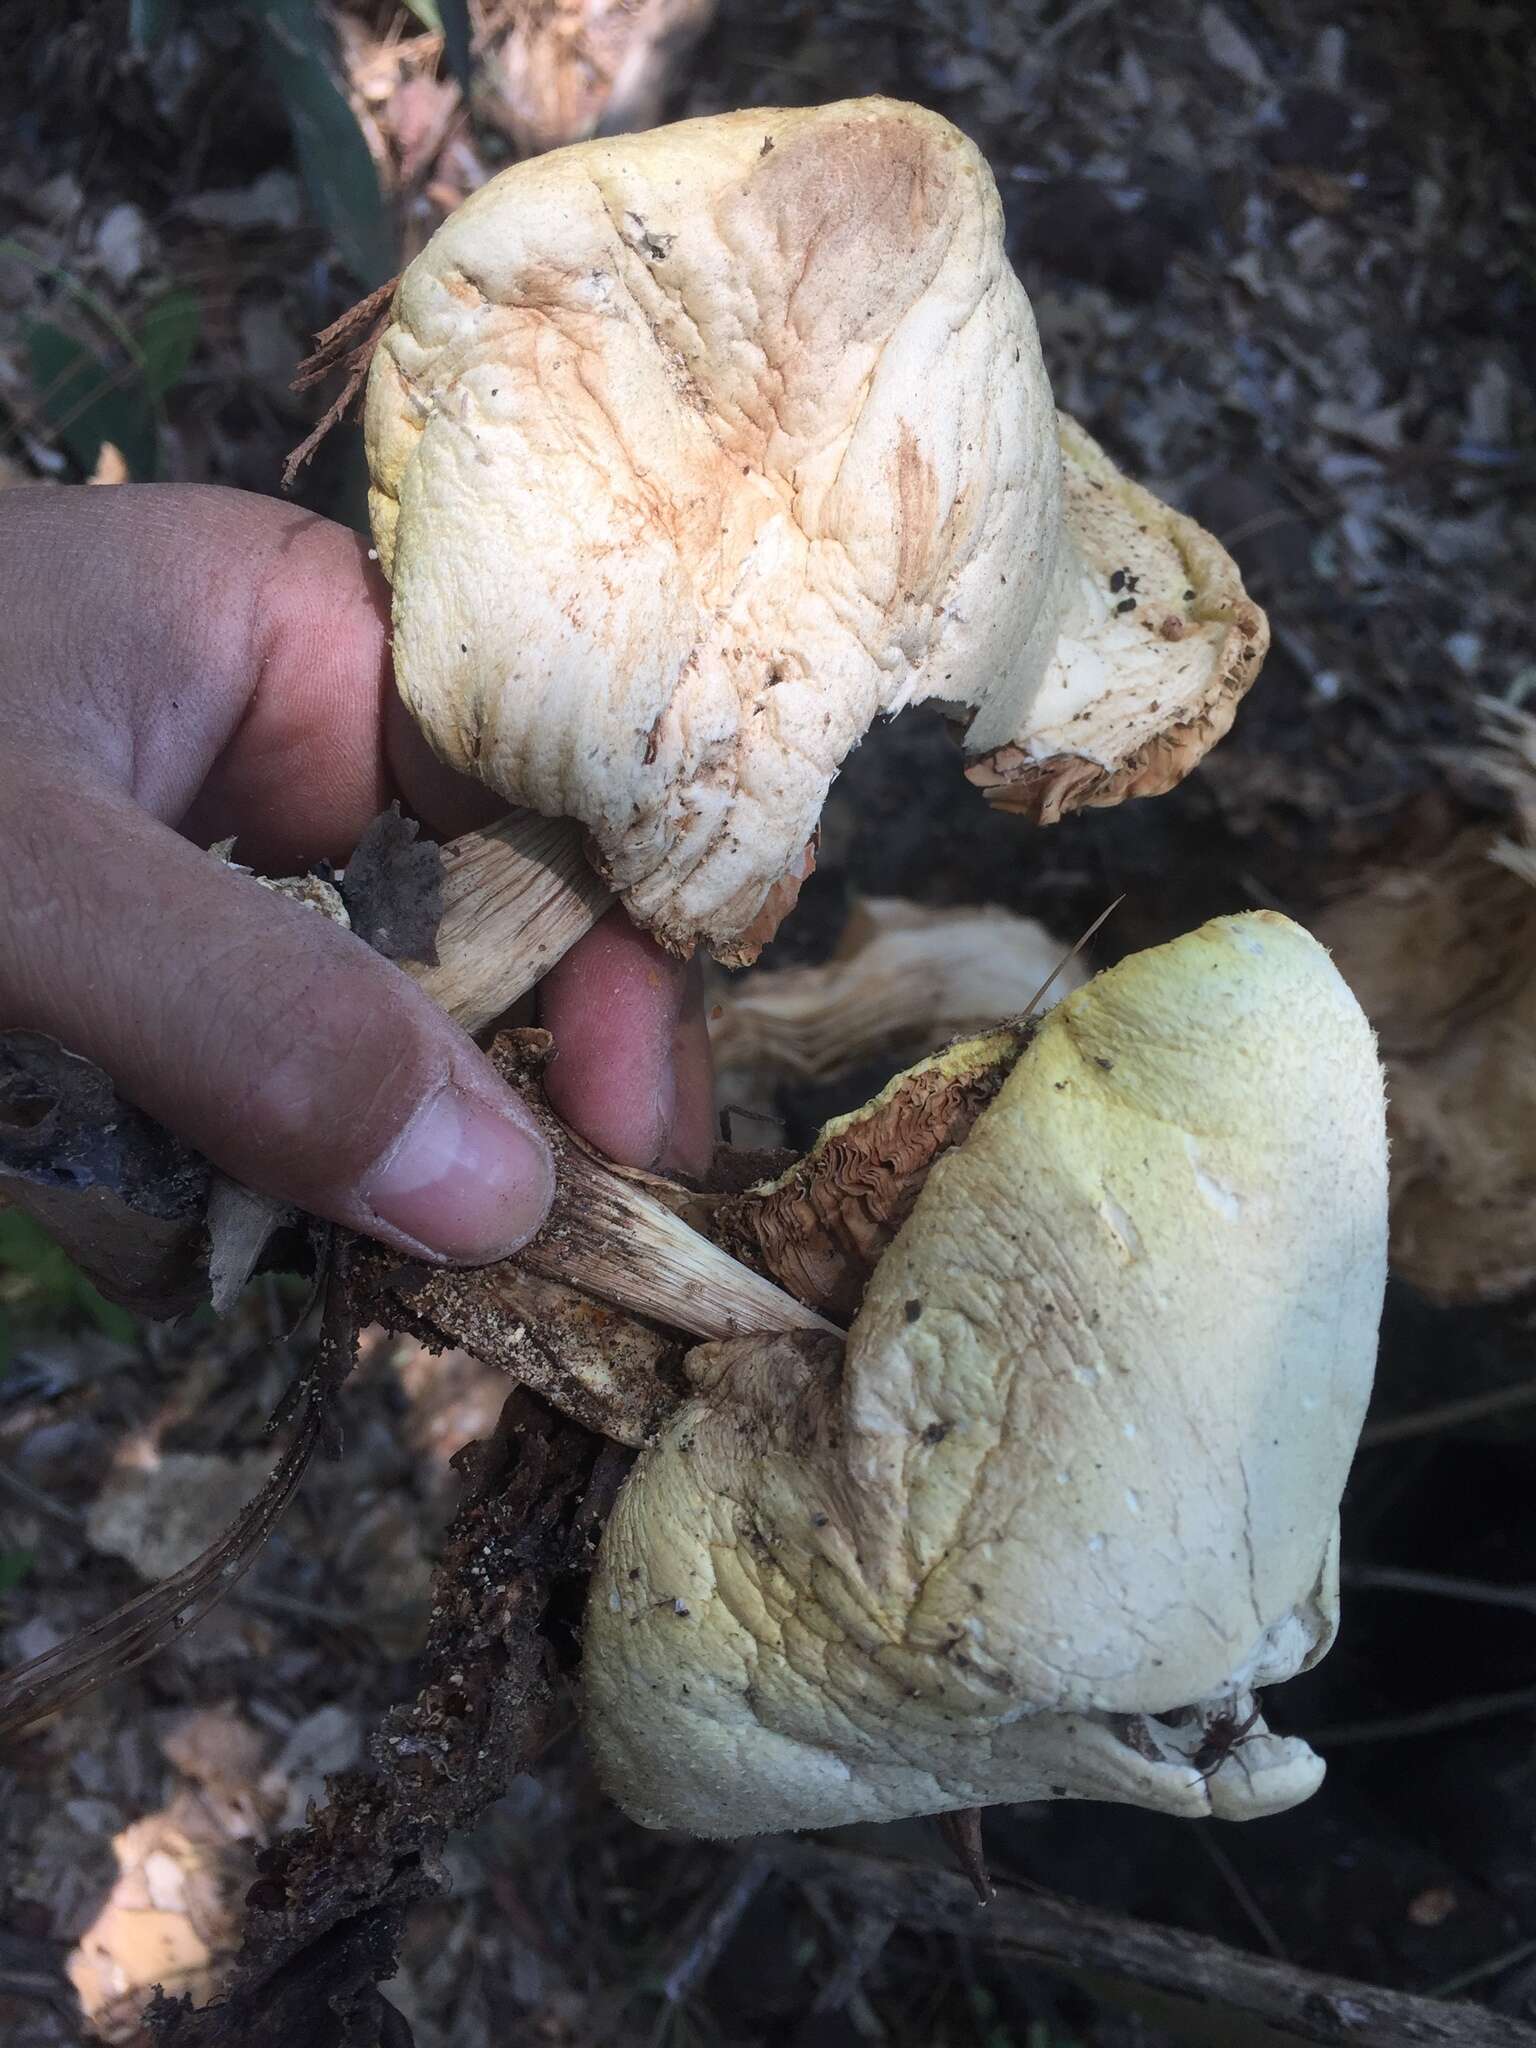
point(1442, 955)
point(903, 975)
point(693, 453)
point(1069, 1499)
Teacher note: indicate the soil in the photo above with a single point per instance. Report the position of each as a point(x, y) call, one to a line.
point(1282, 264)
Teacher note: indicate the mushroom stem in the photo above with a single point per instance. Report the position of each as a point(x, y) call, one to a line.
point(516, 898)
point(612, 1239)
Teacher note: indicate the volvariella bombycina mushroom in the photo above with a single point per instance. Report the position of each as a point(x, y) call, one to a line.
point(695, 452)
point(1069, 1498)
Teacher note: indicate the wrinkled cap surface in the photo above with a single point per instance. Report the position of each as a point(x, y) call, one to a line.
point(693, 452)
point(1071, 1495)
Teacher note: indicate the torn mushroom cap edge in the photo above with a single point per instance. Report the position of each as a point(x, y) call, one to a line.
point(1205, 640)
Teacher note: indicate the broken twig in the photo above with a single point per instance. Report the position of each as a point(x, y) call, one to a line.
point(1193, 1979)
point(347, 345)
point(151, 1621)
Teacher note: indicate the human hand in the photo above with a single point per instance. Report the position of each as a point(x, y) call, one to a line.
point(200, 662)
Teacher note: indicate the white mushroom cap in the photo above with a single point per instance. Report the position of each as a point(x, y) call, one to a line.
point(694, 452)
point(1080, 1467)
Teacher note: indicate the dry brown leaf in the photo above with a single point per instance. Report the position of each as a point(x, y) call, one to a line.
point(567, 69)
point(1442, 956)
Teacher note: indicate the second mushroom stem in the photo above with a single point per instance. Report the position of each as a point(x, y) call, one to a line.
point(516, 898)
point(611, 1238)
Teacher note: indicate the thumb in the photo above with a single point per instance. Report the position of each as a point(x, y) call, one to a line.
point(280, 1046)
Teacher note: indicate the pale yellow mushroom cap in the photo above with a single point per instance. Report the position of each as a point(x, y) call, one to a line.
point(1080, 1466)
point(693, 452)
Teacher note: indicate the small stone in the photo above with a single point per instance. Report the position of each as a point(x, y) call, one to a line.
point(1433, 1906)
point(124, 245)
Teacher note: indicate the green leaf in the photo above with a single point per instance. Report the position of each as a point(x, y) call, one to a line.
point(40, 1287)
point(455, 17)
point(85, 401)
point(426, 13)
point(14, 1566)
point(31, 1264)
point(334, 160)
point(109, 1317)
point(167, 336)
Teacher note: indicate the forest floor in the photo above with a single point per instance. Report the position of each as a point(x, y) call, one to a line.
point(1283, 260)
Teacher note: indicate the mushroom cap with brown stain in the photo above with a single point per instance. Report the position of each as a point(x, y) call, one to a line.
point(695, 452)
point(1168, 646)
